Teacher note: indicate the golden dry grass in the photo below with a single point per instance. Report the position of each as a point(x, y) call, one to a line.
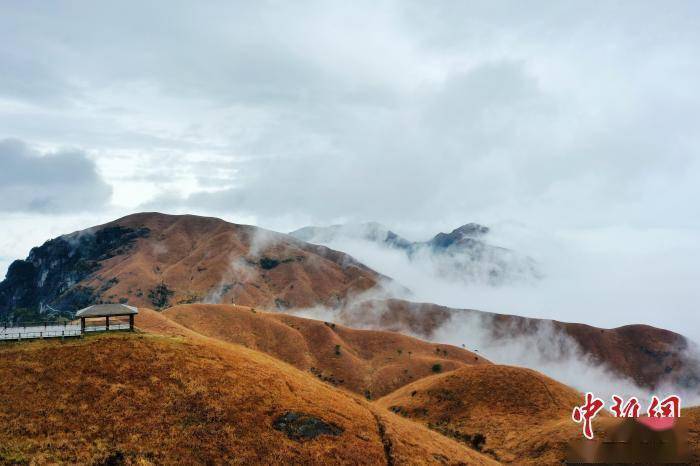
point(523, 415)
point(197, 256)
point(693, 416)
point(368, 362)
point(145, 399)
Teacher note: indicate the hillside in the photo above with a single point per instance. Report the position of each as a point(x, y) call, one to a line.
point(174, 394)
point(148, 399)
point(648, 355)
point(158, 260)
point(503, 410)
point(370, 363)
point(514, 415)
point(693, 416)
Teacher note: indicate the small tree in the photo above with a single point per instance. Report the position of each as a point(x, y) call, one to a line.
point(160, 295)
point(437, 368)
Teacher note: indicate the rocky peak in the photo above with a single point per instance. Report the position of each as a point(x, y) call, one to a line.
point(466, 233)
point(48, 275)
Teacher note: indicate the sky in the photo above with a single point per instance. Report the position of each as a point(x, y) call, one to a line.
point(572, 124)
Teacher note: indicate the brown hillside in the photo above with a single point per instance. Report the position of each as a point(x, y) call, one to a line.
point(693, 416)
point(203, 258)
point(645, 354)
point(521, 415)
point(371, 363)
point(144, 399)
point(525, 414)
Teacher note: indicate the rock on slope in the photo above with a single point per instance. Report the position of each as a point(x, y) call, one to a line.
point(371, 363)
point(156, 260)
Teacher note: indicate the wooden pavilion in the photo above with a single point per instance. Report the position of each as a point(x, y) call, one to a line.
point(107, 311)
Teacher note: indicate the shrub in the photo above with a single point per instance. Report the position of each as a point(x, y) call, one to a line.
point(437, 368)
point(160, 295)
point(268, 263)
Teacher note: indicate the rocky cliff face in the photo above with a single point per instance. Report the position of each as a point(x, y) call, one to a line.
point(47, 280)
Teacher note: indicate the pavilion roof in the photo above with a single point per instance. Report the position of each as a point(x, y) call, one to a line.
point(104, 310)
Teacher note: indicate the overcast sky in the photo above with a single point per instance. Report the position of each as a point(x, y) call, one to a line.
point(575, 118)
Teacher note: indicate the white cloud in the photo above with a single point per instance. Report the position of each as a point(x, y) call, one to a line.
point(577, 119)
point(63, 181)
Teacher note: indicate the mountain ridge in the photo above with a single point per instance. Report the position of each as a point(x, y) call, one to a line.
point(159, 261)
point(647, 355)
point(153, 259)
point(462, 254)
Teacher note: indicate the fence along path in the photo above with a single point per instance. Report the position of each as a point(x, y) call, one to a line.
point(38, 330)
point(52, 330)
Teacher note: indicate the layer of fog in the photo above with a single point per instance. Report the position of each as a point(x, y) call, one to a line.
point(604, 277)
point(547, 350)
point(553, 353)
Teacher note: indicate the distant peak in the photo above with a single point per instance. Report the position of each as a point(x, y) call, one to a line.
point(471, 229)
point(468, 232)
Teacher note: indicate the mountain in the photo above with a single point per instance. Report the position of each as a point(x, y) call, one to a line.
point(152, 398)
point(649, 356)
point(462, 254)
point(157, 260)
point(461, 236)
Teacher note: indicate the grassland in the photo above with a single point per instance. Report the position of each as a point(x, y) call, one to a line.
point(154, 399)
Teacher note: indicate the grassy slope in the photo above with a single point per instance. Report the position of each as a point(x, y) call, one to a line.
point(363, 361)
point(693, 415)
point(181, 397)
point(145, 399)
point(518, 411)
point(196, 256)
point(524, 416)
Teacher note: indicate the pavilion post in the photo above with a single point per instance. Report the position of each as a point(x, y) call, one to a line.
point(107, 320)
point(131, 322)
point(82, 325)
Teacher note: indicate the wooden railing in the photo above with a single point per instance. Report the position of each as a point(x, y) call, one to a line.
point(34, 330)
